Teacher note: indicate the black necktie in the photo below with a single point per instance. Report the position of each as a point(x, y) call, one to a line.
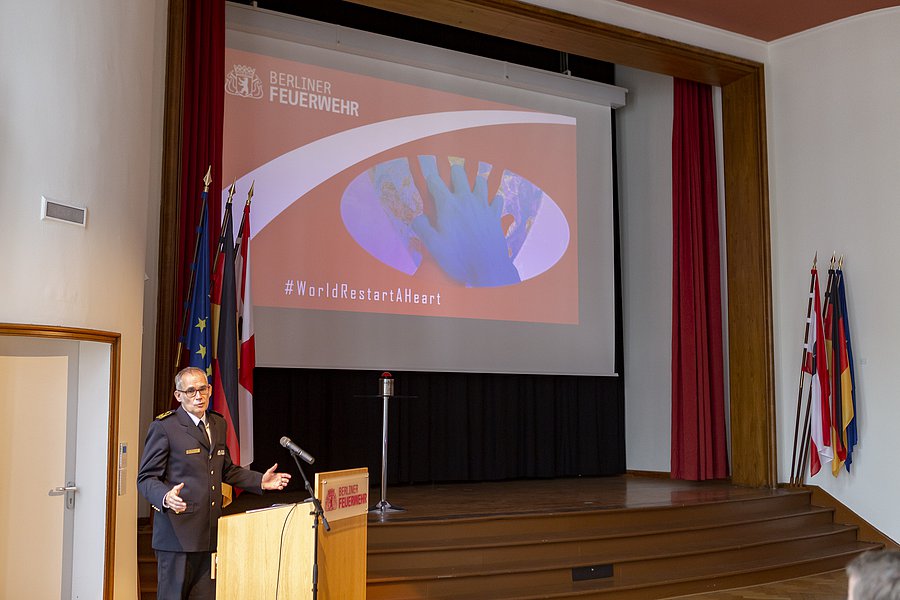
point(203, 430)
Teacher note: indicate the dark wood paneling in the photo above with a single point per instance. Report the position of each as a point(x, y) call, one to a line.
point(749, 283)
point(167, 313)
point(548, 28)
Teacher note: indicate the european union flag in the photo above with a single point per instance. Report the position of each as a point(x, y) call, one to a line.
point(198, 342)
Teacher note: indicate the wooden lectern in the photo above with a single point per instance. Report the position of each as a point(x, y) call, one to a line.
point(262, 549)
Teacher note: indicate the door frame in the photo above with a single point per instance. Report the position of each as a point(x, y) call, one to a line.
point(114, 341)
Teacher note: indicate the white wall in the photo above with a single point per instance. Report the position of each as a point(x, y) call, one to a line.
point(81, 97)
point(834, 160)
point(644, 138)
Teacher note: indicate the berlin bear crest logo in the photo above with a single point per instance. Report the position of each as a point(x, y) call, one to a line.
point(244, 82)
point(330, 500)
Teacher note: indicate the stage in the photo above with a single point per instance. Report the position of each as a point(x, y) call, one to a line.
point(537, 496)
point(612, 537)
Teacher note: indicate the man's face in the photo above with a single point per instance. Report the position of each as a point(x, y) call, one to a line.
point(194, 393)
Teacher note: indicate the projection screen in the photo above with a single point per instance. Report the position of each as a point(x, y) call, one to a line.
point(416, 208)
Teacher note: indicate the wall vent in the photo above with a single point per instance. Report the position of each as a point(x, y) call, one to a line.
point(51, 209)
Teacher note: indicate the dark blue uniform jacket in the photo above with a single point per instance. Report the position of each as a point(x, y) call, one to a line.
point(176, 451)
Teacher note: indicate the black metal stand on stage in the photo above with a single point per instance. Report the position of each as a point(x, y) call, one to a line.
point(387, 389)
point(319, 513)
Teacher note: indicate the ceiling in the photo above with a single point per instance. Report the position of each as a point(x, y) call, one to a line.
point(765, 20)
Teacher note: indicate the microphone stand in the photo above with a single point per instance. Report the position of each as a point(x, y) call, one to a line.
point(318, 512)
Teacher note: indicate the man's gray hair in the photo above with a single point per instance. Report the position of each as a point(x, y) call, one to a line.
point(875, 575)
point(184, 372)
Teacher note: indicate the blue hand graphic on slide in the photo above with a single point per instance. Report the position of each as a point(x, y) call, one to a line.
point(466, 238)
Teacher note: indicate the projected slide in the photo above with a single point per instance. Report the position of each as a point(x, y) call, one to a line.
point(376, 196)
point(454, 214)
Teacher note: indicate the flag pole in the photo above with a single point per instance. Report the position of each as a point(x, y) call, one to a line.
point(225, 215)
point(794, 475)
point(240, 293)
point(207, 180)
point(837, 350)
point(804, 450)
point(805, 437)
point(249, 199)
point(807, 433)
point(849, 427)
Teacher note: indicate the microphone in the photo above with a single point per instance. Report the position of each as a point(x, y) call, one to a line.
point(294, 448)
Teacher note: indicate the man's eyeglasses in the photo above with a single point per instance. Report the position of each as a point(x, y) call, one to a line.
point(191, 392)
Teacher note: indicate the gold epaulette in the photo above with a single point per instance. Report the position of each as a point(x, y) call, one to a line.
point(165, 414)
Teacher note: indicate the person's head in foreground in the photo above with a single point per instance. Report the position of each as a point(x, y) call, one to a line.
point(874, 575)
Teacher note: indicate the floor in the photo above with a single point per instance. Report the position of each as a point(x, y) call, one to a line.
point(828, 586)
point(436, 501)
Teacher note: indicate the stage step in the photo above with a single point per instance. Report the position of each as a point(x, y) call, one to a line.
point(590, 541)
point(399, 532)
point(667, 584)
point(652, 552)
point(673, 539)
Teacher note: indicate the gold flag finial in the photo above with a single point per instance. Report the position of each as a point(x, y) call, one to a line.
point(250, 193)
point(833, 258)
point(230, 192)
point(841, 262)
point(815, 259)
point(207, 179)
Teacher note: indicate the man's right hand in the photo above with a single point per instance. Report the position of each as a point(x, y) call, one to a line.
point(173, 501)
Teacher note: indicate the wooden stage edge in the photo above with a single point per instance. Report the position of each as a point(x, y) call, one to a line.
point(436, 501)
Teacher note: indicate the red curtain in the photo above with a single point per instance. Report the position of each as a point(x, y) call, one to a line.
point(201, 133)
point(698, 405)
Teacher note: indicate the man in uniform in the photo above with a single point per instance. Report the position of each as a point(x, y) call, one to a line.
point(184, 464)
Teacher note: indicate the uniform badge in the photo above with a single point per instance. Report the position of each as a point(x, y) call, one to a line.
point(220, 452)
point(192, 451)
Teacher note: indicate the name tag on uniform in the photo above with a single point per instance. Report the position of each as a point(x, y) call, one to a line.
point(220, 452)
point(192, 451)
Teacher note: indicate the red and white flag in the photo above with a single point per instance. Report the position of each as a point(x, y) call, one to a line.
point(247, 348)
point(817, 366)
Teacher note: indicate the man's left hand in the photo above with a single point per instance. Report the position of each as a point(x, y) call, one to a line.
point(275, 481)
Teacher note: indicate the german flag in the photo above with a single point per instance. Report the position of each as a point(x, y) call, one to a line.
point(837, 364)
point(845, 428)
point(224, 336)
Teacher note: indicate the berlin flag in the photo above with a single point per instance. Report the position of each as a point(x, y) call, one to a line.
point(817, 367)
point(246, 339)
